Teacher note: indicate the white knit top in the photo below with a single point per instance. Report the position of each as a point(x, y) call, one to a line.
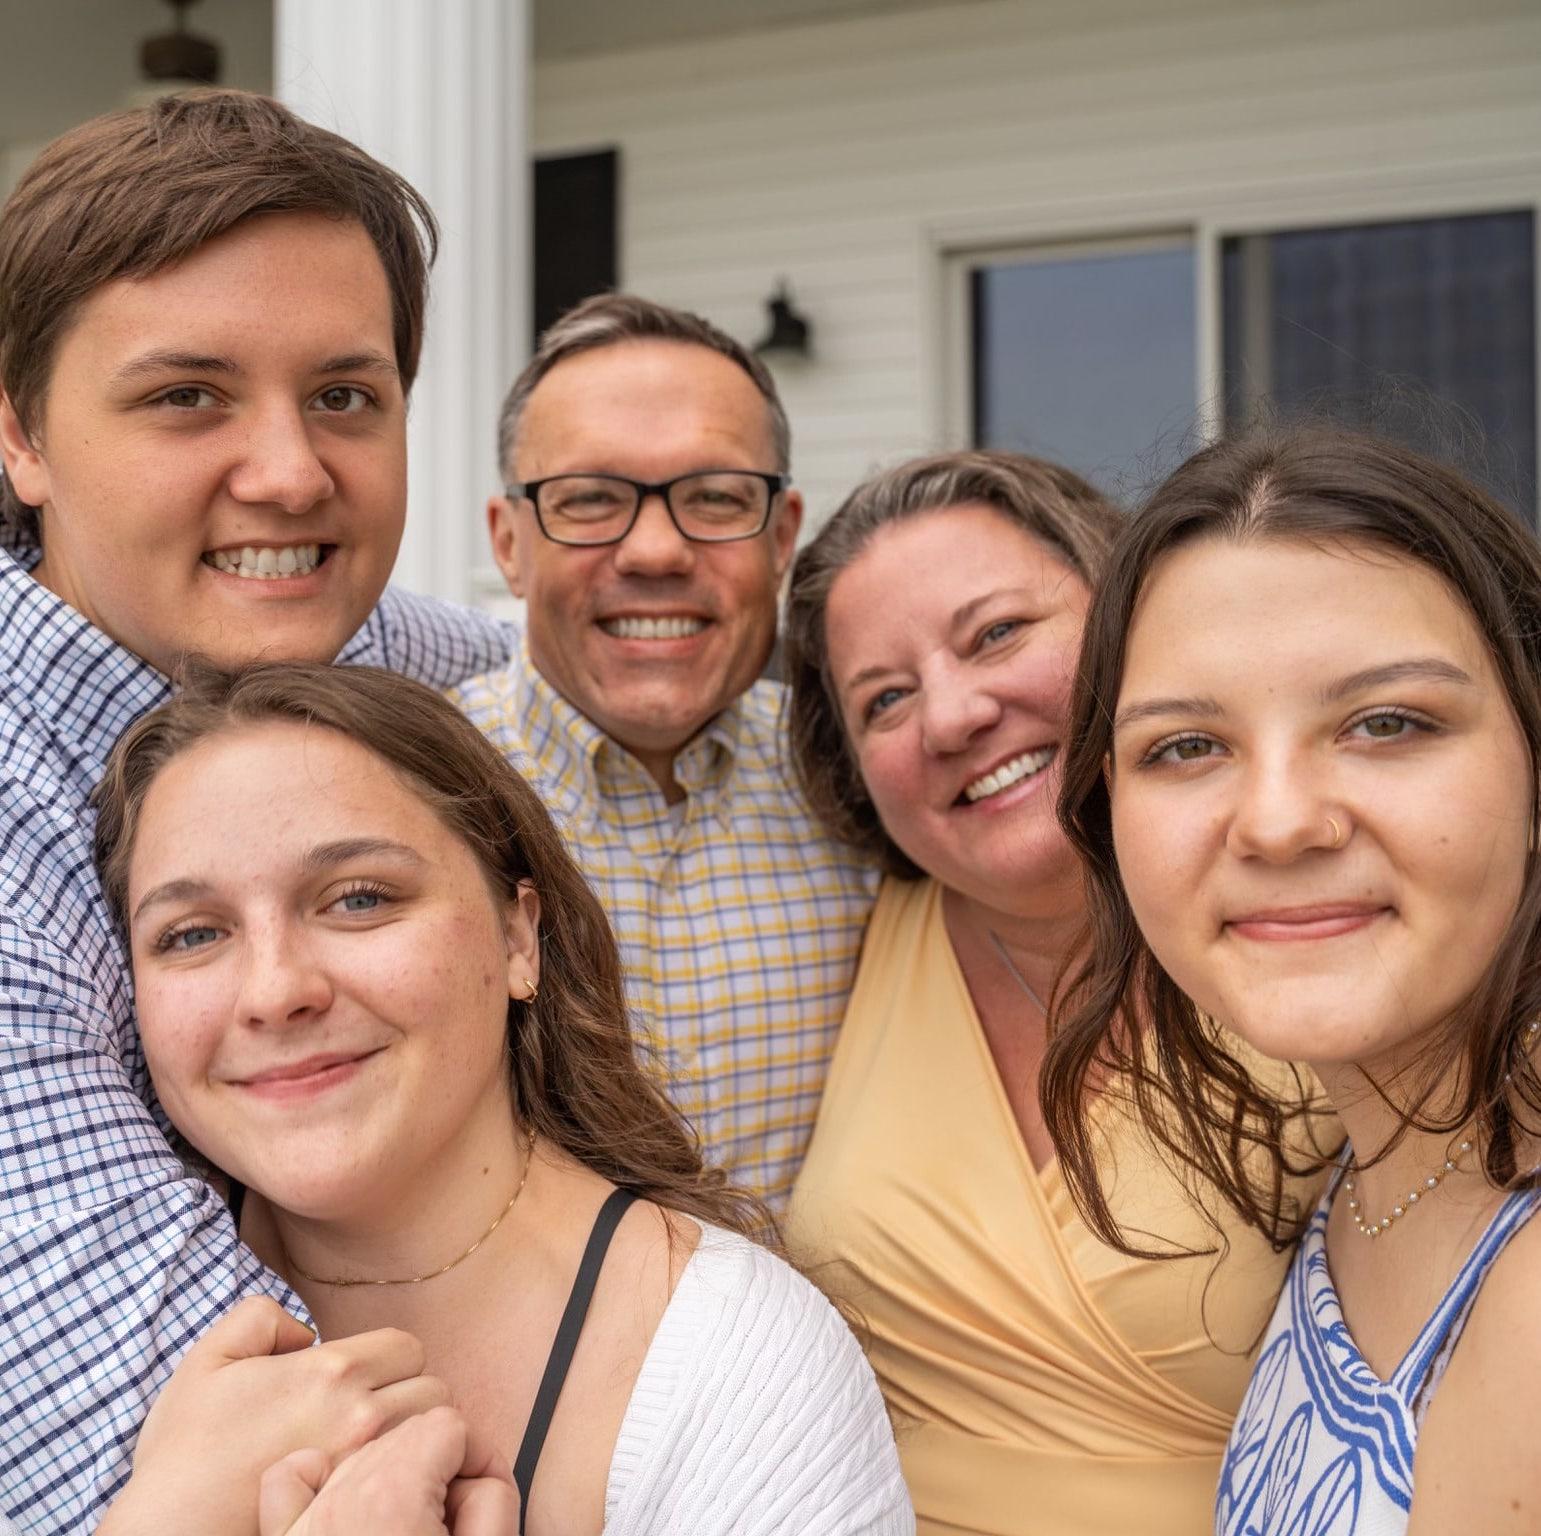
point(755, 1413)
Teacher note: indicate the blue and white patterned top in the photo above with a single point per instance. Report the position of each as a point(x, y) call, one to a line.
point(112, 1260)
point(1322, 1446)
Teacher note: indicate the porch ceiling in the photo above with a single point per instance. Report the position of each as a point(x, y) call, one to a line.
point(567, 28)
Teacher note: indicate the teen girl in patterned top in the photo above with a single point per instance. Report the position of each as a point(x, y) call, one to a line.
point(1303, 772)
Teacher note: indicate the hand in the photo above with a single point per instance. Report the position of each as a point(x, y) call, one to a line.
point(254, 1388)
point(425, 1478)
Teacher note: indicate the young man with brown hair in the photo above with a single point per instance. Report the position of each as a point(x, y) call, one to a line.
point(210, 317)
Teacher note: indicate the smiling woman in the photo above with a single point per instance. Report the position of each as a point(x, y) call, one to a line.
point(932, 636)
point(1308, 820)
point(375, 990)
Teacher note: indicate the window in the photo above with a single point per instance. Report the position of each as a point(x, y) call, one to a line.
point(574, 231)
point(1087, 355)
point(1424, 329)
point(1419, 328)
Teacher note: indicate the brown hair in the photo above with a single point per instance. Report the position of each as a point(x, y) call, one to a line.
point(1052, 504)
point(1320, 485)
point(129, 193)
point(606, 320)
point(576, 1077)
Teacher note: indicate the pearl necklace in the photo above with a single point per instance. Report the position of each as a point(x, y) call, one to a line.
point(1410, 1199)
point(529, 1157)
point(1430, 1184)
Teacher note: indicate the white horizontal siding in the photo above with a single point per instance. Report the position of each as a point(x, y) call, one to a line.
point(847, 155)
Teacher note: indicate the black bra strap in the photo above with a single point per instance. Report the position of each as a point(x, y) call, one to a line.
point(565, 1343)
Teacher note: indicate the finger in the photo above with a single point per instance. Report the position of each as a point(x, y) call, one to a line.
point(288, 1489)
point(386, 1409)
point(393, 1405)
point(255, 1326)
point(482, 1506)
point(431, 1444)
point(380, 1357)
point(482, 1458)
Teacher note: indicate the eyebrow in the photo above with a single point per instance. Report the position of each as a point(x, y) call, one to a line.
point(150, 364)
point(153, 364)
point(317, 860)
point(325, 856)
point(960, 617)
point(1420, 668)
point(360, 362)
point(1149, 708)
point(974, 604)
point(172, 890)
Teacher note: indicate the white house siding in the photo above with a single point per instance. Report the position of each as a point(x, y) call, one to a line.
point(849, 155)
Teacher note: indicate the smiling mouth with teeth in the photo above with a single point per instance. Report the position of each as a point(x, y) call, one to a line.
point(1019, 768)
point(267, 563)
point(671, 627)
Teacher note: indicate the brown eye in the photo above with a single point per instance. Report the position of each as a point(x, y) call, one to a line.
point(187, 397)
point(1191, 749)
point(342, 399)
point(1384, 727)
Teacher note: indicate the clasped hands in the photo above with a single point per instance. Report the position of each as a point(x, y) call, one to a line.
point(262, 1431)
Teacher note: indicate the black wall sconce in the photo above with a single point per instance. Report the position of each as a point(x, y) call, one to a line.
point(180, 56)
point(790, 334)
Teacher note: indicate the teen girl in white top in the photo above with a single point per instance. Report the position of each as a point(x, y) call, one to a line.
point(374, 990)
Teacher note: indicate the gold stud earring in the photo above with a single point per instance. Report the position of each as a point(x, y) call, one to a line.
point(1337, 833)
point(534, 991)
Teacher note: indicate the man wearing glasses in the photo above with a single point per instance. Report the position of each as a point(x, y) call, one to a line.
point(647, 523)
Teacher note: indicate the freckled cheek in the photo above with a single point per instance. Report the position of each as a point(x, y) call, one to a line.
point(181, 1039)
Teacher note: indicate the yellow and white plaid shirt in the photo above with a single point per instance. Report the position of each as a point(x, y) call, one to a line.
point(739, 919)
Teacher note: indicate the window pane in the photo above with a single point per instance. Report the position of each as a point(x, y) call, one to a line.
point(1089, 361)
point(1365, 323)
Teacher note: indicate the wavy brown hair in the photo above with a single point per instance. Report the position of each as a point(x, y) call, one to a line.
point(1321, 486)
point(576, 1078)
point(1046, 501)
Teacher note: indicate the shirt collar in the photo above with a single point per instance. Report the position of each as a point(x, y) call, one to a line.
point(80, 686)
point(567, 745)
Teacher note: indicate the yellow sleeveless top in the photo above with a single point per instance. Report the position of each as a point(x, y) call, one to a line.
point(1039, 1381)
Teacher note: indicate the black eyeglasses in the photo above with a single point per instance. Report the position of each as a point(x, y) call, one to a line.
point(710, 506)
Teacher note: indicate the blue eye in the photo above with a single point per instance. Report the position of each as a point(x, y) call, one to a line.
point(882, 700)
point(360, 900)
point(999, 630)
point(194, 936)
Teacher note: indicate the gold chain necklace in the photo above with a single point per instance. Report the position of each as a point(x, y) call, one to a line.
point(529, 1157)
point(1016, 975)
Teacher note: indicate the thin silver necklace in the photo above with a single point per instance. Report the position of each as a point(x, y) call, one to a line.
point(1016, 975)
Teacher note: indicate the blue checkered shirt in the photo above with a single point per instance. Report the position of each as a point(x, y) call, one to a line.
point(113, 1260)
point(739, 919)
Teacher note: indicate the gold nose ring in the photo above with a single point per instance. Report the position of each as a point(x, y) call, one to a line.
point(1337, 833)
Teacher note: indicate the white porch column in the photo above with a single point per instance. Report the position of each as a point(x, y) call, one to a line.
point(439, 90)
